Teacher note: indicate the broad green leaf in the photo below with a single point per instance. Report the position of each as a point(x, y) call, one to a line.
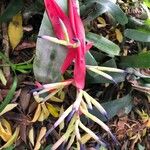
point(114, 106)
point(137, 35)
point(9, 96)
point(103, 44)
point(49, 56)
point(90, 60)
point(108, 6)
point(12, 9)
point(141, 60)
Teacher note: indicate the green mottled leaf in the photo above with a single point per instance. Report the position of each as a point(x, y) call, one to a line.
point(103, 44)
point(12, 9)
point(49, 56)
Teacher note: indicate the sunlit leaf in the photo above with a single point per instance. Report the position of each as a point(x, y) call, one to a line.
point(15, 30)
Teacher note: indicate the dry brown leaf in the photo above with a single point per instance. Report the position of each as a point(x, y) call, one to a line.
point(119, 35)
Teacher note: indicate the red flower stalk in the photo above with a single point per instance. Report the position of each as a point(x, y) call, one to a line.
point(76, 34)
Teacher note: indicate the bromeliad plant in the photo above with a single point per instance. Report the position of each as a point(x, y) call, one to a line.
point(69, 32)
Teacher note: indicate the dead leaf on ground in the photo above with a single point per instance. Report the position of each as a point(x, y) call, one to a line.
point(25, 45)
point(24, 100)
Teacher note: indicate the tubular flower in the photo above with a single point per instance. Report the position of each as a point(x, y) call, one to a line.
point(69, 31)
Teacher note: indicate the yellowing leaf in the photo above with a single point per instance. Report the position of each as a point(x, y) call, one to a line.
point(31, 136)
point(40, 136)
point(42, 116)
point(61, 93)
point(37, 113)
point(7, 125)
point(85, 138)
point(62, 124)
point(8, 108)
point(4, 132)
point(53, 111)
point(102, 22)
point(15, 30)
point(119, 36)
point(145, 118)
point(2, 78)
point(44, 113)
point(56, 99)
point(12, 139)
point(45, 110)
point(148, 123)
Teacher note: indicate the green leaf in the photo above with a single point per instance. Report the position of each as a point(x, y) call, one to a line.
point(90, 60)
point(137, 35)
point(48, 147)
point(10, 95)
point(147, 3)
point(49, 56)
point(141, 60)
point(95, 78)
point(103, 44)
point(90, 10)
point(109, 6)
point(140, 147)
point(12, 9)
point(113, 107)
point(10, 147)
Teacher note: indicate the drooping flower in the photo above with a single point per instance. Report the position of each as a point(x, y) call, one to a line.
point(70, 29)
